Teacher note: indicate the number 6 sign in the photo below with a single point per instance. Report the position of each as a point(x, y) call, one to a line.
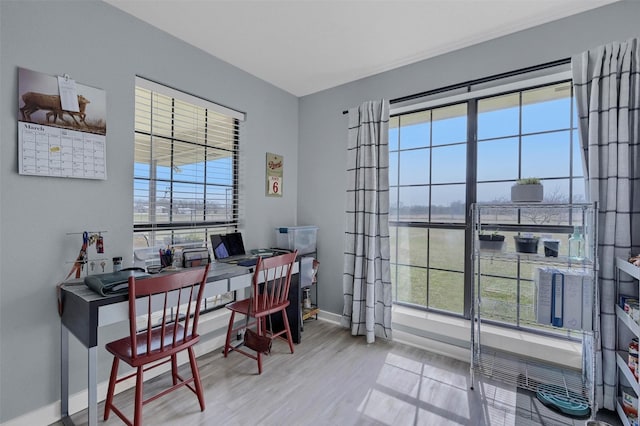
point(274, 185)
point(274, 169)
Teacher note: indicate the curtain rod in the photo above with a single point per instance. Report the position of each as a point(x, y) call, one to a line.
point(478, 81)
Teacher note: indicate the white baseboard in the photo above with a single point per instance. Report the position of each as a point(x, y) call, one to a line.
point(329, 317)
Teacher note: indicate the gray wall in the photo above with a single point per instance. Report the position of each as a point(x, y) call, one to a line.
point(323, 127)
point(100, 46)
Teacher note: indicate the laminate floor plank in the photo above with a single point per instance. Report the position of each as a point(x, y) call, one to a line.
point(332, 378)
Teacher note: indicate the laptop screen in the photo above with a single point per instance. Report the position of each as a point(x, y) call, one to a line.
point(226, 245)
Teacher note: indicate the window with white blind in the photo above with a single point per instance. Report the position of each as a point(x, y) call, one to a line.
point(185, 184)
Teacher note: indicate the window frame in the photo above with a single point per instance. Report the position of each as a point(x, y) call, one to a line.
point(148, 229)
point(520, 83)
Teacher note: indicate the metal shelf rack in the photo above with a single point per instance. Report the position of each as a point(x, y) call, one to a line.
point(515, 369)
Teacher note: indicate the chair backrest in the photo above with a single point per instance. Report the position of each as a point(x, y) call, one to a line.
point(171, 310)
point(271, 282)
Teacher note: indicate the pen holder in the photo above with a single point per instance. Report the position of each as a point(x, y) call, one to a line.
point(166, 258)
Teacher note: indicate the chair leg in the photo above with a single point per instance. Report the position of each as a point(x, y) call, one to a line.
point(112, 386)
point(196, 377)
point(174, 369)
point(286, 326)
point(227, 343)
point(137, 414)
point(259, 328)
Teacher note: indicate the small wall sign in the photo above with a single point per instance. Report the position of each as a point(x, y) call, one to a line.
point(274, 175)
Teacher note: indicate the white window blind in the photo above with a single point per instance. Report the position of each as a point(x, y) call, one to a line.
point(186, 167)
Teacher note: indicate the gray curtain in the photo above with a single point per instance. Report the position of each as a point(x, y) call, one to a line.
point(607, 85)
point(367, 279)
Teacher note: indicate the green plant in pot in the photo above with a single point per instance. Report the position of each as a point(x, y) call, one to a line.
point(491, 242)
point(527, 190)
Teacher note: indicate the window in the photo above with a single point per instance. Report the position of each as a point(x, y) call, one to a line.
point(437, 170)
point(185, 183)
point(530, 133)
point(427, 181)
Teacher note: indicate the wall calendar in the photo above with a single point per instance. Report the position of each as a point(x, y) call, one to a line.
point(61, 127)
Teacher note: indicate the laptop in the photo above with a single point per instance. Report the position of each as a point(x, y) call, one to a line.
point(229, 248)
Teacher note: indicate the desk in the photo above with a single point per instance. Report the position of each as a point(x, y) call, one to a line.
point(84, 311)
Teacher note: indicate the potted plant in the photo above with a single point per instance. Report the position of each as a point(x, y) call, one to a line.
point(551, 247)
point(491, 242)
point(527, 190)
point(526, 243)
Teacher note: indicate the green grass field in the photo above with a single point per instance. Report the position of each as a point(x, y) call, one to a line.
point(427, 268)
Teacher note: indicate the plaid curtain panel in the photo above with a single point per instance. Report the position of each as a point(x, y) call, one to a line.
point(367, 278)
point(607, 86)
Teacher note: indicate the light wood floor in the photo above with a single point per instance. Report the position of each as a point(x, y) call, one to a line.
point(332, 378)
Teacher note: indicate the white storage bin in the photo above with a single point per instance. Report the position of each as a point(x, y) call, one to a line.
point(302, 238)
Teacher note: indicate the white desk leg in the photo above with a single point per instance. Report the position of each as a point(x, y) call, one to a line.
point(64, 372)
point(93, 385)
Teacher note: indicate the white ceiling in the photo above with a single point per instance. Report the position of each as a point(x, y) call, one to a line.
point(305, 46)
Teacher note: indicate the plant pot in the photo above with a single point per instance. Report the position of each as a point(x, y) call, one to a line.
point(491, 245)
point(551, 247)
point(491, 242)
point(527, 193)
point(526, 244)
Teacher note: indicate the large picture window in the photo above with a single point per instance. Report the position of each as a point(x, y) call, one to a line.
point(437, 170)
point(186, 167)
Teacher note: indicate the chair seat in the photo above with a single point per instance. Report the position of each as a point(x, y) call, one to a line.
point(242, 306)
point(122, 347)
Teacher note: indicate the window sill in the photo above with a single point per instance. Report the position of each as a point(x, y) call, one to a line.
point(450, 336)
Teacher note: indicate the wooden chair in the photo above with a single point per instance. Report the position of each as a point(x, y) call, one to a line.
point(170, 315)
point(269, 295)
